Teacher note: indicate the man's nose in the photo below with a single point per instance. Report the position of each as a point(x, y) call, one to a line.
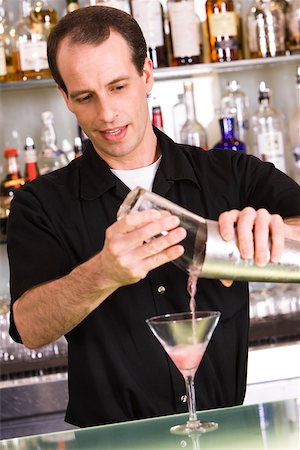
point(106, 110)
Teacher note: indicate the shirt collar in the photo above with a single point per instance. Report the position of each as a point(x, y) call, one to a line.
point(96, 177)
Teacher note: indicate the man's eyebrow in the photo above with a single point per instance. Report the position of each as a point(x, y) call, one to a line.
point(81, 92)
point(75, 94)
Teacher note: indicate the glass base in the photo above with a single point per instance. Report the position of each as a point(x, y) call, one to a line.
point(194, 427)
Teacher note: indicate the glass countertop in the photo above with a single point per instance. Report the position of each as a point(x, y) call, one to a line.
point(266, 426)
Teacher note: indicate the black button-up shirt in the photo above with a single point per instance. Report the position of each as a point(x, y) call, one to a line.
point(117, 369)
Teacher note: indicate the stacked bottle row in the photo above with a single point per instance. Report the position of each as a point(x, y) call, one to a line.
point(49, 158)
point(174, 35)
point(262, 133)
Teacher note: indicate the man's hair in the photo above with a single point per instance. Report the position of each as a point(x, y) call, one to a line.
point(92, 25)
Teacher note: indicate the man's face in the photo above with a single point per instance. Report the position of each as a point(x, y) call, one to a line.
point(109, 98)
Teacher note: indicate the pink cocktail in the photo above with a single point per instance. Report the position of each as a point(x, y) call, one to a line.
point(185, 337)
point(186, 357)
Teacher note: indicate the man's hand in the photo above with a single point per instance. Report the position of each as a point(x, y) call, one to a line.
point(136, 244)
point(260, 235)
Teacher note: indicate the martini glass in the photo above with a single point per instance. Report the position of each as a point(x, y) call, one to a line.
point(185, 337)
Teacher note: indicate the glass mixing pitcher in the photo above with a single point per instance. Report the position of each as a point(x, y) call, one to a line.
point(206, 253)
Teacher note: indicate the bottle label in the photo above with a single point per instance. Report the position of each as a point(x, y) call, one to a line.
point(223, 24)
point(17, 182)
point(33, 55)
point(271, 148)
point(119, 4)
point(3, 70)
point(183, 18)
point(30, 156)
point(252, 35)
point(148, 14)
point(72, 7)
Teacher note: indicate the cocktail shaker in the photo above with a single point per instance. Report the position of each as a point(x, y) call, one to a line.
point(206, 253)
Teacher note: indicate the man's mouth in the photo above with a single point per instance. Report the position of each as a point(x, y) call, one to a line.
point(114, 133)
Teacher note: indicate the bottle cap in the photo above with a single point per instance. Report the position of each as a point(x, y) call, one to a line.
point(233, 85)
point(46, 115)
point(264, 91)
point(29, 142)
point(10, 152)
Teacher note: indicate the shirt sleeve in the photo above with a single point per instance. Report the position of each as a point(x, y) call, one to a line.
point(264, 186)
point(36, 254)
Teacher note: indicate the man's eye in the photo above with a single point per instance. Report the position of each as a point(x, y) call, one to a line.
point(84, 99)
point(119, 87)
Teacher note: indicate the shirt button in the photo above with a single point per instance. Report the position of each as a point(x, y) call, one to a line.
point(161, 289)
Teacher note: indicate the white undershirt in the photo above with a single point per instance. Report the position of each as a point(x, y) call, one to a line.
point(142, 177)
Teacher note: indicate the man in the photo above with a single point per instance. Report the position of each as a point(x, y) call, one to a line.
point(78, 272)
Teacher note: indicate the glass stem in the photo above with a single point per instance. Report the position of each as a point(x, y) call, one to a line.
point(191, 398)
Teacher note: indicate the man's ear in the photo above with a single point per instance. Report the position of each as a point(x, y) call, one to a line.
point(148, 74)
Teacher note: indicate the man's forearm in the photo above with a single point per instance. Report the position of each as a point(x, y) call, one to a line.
point(50, 310)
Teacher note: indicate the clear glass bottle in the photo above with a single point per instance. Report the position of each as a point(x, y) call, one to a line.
point(223, 31)
point(192, 132)
point(43, 17)
point(268, 130)
point(12, 181)
point(293, 26)
point(235, 103)
point(29, 46)
point(266, 29)
point(50, 157)
point(179, 116)
point(31, 168)
point(228, 139)
point(294, 129)
point(185, 33)
point(124, 5)
point(149, 15)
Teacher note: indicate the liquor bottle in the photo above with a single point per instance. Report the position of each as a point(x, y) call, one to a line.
point(293, 26)
point(72, 5)
point(294, 128)
point(124, 5)
point(7, 70)
point(235, 103)
point(223, 31)
point(77, 147)
point(185, 33)
point(228, 139)
point(266, 29)
point(157, 118)
point(267, 127)
point(8, 186)
point(192, 132)
point(149, 15)
point(43, 17)
point(31, 168)
point(29, 46)
point(3, 69)
point(50, 157)
point(179, 116)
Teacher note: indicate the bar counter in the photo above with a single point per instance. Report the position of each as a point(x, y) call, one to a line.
point(272, 425)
